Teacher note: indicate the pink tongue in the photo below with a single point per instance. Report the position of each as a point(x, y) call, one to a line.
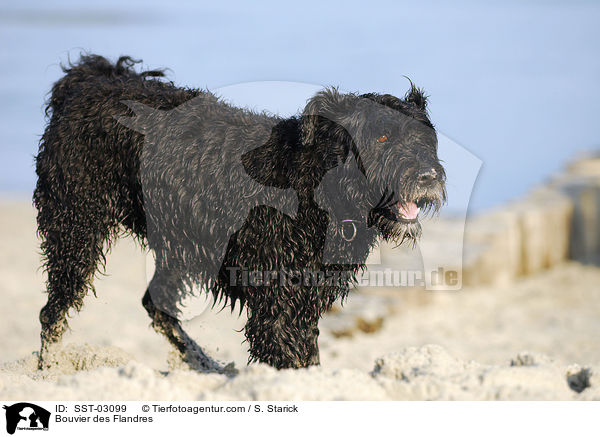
point(409, 211)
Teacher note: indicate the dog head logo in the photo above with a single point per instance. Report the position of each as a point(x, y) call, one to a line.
point(26, 416)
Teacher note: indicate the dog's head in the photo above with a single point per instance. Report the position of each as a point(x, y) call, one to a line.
point(376, 155)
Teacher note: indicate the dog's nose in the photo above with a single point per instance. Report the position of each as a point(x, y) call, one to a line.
point(426, 176)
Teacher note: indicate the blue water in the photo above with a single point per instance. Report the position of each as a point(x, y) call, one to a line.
point(515, 83)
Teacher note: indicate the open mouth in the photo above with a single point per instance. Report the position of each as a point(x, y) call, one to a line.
point(406, 212)
point(397, 217)
point(398, 220)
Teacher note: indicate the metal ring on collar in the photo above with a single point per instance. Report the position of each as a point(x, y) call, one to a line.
point(354, 230)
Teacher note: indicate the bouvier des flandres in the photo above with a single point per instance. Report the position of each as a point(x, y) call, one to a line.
point(275, 215)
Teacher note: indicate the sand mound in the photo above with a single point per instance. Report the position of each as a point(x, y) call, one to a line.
point(425, 373)
point(365, 345)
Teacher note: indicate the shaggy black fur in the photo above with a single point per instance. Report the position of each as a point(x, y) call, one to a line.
point(218, 192)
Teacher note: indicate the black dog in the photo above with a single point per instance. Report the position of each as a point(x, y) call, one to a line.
point(276, 215)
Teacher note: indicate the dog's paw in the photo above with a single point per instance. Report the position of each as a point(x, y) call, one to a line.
point(49, 355)
point(195, 359)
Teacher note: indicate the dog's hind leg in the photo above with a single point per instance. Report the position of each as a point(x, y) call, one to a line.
point(160, 303)
point(74, 239)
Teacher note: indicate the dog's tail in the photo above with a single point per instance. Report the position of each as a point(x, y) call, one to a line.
point(89, 66)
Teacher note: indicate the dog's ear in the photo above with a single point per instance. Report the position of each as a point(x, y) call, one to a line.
point(329, 124)
point(322, 117)
point(417, 97)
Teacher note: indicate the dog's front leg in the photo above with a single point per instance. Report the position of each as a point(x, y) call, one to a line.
point(282, 327)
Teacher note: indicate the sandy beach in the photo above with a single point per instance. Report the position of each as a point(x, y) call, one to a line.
point(535, 339)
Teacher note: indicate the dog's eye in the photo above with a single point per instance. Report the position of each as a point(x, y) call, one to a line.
point(382, 139)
